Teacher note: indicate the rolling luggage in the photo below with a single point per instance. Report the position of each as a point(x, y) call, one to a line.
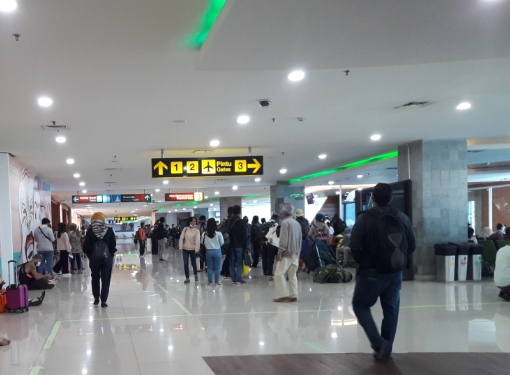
point(17, 295)
point(312, 259)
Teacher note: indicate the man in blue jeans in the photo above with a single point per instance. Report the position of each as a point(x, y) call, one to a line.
point(373, 280)
point(238, 241)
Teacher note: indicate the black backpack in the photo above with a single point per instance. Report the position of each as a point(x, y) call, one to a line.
point(305, 226)
point(339, 227)
point(264, 229)
point(389, 247)
point(100, 251)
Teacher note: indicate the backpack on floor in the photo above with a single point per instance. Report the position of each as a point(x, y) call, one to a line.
point(332, 274)
point(389, 247)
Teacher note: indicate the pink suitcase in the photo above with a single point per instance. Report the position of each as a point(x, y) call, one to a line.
point(17, 295)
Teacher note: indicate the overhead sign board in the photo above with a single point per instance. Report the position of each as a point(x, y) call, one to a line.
point(125, 218)
point(115, 198)
point(297, 196)
point(184, 197)
point(210, 167)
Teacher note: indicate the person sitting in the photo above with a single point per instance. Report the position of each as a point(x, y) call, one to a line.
point(502, 272)
point(507, 233)
point(29, 276)
point(4, 341)
point(485, 234)
point(471, 235)
point(499, 234)
point(319, 229)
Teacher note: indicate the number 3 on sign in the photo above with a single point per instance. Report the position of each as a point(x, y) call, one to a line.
point(192, 167)
point(176, 167)
point(240, 166)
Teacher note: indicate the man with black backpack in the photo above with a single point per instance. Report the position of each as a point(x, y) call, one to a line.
point(268, 251)
point(381, 242)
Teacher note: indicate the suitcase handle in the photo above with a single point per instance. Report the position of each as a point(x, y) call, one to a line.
point(15, 273)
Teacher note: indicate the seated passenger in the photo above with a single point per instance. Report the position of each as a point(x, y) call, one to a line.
point(319, 229)
point(507, 233)
point(29, 276)
point(499, 234)
point(4, 342)
point(471, 235)
point(486, 233)
point(502, 272)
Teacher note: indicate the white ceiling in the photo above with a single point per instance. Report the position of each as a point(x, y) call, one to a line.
point(120, 75)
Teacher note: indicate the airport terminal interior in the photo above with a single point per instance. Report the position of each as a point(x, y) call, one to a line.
point(144, 111)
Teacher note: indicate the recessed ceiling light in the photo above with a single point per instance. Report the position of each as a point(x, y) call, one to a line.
point(70, 161)
point(254, 201)
point(375, 137)
point(216, 193)
point(331, 182)
point(195, 207)
point(323, 156)
point(84, 191)
point(60, 139)
point(206, 197)
point(169, 211)
point(337, 192)
point(45, 102)
point(157, 190)
point(360, 189)
point(76, 175)
point(82, 183)
point(235, 187)
point(296, 75)
point(243, 120)
point(8, 5)
point(360, 176)
point(211, 205)
point(283, 171)
point(175, 210)
point(184, 209)
point(214, 143)
point(463, 106)
point(165, 182)
point(257, 179)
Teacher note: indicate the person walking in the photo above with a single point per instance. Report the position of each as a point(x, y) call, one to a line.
point(76, 249)
point(238, 241)
point(161, 235)
point(101, 270)
point(382, 240)
point(64, 249)
point(289, 248)
point(212, 240)
point(189, 245)
point(142, 239)
point(44, 238)
point(202, 229)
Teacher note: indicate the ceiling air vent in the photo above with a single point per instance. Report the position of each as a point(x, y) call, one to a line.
point(110, 182)
point(414, 104)
point(55, 127)
point(113, 169)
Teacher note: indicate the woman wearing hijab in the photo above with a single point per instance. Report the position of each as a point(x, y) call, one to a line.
point(76, 249)
point(101, 270)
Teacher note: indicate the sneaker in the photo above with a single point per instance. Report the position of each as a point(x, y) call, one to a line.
point(225, 277)
point(200, 271)
point(381, 352)
point(209, 284)
point(242, 282)
point(270, 278)
point(186, 281)
point(236, 283)
point(73, 272)
point(103, 305)
point(96, 302)
point(218, 284)
point(66, 275)
point(161, 260)
point(80, 272)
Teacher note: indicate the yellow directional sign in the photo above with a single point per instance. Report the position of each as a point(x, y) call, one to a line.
point(160, 166)
point(226, 166)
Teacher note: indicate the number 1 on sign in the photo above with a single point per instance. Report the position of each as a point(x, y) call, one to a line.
point(176, 167)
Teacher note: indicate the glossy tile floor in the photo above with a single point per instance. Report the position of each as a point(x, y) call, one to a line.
point(156, 324)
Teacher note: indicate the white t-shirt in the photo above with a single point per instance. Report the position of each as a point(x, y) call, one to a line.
point(271, 235)
point(502, 271)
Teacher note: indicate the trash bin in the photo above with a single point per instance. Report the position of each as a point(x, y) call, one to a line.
point(474, 271)
point(461, 260)
point(445, 261)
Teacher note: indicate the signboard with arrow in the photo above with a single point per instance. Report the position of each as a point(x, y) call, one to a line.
point(196, 167)
point(115, 198)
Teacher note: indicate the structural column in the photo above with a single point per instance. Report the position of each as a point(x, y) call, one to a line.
point(283, 192)
point(6, 231)
point(438, 171)
point(227, 202)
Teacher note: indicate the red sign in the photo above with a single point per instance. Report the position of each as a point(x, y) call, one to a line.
point(184, 197)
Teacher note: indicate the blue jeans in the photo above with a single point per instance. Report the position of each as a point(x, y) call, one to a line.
point(213, 257)
point(101, 271)
point(76, 262)
point(236, 264)
point(186, 255)
point(46, 262)
point(370, 286)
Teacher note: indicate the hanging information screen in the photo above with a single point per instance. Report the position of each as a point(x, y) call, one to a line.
point(196, 167)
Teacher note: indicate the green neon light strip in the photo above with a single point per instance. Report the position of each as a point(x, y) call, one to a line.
point(197, 39)
point(356, 164)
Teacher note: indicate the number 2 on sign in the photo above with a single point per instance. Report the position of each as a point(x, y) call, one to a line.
point(192, 167)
